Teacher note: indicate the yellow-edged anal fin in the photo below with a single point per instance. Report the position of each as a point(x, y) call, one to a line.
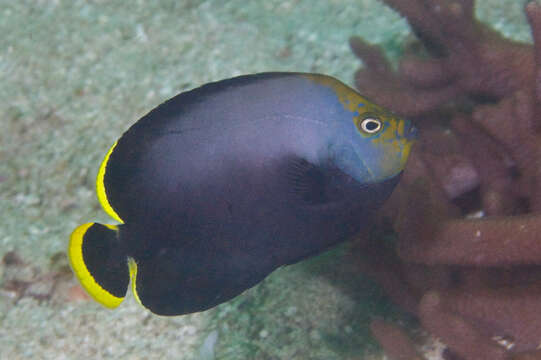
point(100, 187)
point(133, 277)
point(75, 254)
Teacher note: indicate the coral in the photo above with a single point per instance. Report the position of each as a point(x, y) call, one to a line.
point(394, 341)
point(468, 58)
point(467, 260)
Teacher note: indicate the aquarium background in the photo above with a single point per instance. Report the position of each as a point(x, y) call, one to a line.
point(73, 76)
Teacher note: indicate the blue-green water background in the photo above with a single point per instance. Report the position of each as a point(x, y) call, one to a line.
point(75, 74)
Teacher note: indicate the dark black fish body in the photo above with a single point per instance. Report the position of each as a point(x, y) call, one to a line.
point(219, 186)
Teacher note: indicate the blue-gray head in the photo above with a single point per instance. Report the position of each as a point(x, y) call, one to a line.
point(369, 143)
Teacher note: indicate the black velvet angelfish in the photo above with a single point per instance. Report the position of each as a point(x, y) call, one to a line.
point(220, 185)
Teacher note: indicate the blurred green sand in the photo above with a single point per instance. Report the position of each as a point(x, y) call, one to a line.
point(75, 74)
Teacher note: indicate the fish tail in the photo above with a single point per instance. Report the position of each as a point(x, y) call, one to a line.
point(99, 262)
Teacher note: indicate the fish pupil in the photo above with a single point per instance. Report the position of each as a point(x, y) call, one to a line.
point(371, 125)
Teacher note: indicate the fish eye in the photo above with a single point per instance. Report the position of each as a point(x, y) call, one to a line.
point(371, 125)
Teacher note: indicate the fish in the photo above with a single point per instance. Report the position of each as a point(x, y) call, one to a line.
point(219, 186)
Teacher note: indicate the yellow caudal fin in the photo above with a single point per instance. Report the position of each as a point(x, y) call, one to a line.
point(99, 264)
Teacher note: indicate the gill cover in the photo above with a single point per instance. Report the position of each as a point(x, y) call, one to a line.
point(99, 264)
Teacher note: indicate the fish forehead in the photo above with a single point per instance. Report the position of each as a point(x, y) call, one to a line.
point(237, 101)
point(360, 107)
point(349, 98)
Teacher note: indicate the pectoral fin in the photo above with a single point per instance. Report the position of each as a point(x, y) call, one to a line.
point(306, 181)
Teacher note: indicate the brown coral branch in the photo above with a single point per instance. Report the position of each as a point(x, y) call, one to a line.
point(473, 281)
point(533, 13)
point(500, 312)
point(530, 355)
point(486, 242)
point(377, 81)
point(470, 59)
point(493, 165)
point(464, 338)
point(446, 19)
point(394, 341)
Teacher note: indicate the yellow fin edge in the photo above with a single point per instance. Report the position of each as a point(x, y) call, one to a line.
point(100, 187)
point(75, 254)
point(133, 277)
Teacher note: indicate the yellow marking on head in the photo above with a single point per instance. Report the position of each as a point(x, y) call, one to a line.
point(401, 128)
point(392, 135)
point(393, 139)
point(347, 96)
point(406, 150)
point(75, 254)
point(100, 187)
point(133, 276)
point(352, 101)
